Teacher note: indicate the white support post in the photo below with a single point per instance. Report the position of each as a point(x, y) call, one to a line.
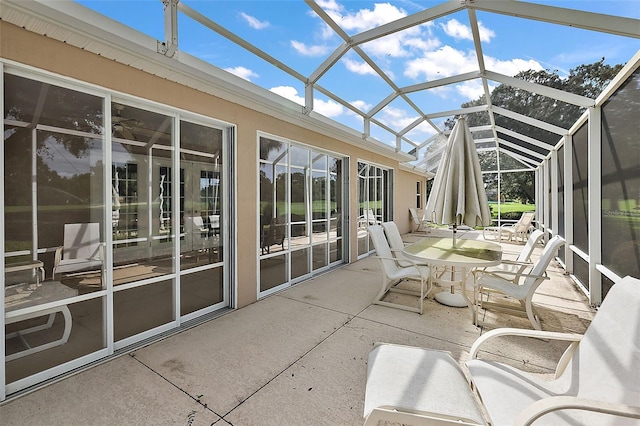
point(546, 189)
point(170, 45)
point(595, 204)
point(554, 222)
point(308, 98)
point(2, 248)
point(568, 202)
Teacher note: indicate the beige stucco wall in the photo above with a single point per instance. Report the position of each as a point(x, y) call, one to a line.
point(44, 53)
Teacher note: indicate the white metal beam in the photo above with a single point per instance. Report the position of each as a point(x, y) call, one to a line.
point(627, 27)
point(530, 121)
point(549, 92)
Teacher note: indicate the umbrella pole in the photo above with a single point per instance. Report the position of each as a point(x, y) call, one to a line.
point(455, 229)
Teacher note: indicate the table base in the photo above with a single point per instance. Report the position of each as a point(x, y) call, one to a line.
point(455, 300)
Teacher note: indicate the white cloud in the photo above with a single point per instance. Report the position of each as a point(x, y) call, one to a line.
point(327, 108)
point(395, 118)
point(253, 22)
point(242, 72)
point(365, 19)
point(303, 49)
point(361, 105)
point(485, 33)
point(458, 30)
point(361, 68)
point(512, 66)
point(443, 62)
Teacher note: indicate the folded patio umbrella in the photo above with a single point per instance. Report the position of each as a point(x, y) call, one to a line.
point(458, 196)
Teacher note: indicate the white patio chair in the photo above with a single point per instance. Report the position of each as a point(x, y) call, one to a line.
point(507, 284)
point(516, 232)
point(514, 268)
point(419, 219)
point(393, 274)
point(81, 249)
point(596, 381)
point(396, 244)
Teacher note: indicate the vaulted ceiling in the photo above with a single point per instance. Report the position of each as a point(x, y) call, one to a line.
point(73, 25)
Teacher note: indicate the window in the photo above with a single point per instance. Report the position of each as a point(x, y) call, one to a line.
point(300, 211)
point(375, 201)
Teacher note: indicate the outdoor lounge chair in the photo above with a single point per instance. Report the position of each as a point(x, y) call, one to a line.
point(394, 274)
point(516, 232)
point(596, 382)
point(508, 284)
point(82, 249)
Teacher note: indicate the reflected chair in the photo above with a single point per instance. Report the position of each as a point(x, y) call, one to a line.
point(368, 218)
point(596, 380)
point(273, 234)
point(516, 232)
point(394, 274)
point(82, 249)
point(508, 284)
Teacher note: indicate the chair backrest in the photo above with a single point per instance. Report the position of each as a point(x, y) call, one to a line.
point(81, 241)
point(531, 244)
point(548, 253)
point(605, 366)
point(395, 240)
point(383, 250)
point(525, 222)
point(414, 215)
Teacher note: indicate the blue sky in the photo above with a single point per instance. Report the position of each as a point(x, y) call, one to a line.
point(290, 32)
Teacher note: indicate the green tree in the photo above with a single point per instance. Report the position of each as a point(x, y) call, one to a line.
point(586, 80)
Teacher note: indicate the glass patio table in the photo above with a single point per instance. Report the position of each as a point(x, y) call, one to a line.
point(444, 259)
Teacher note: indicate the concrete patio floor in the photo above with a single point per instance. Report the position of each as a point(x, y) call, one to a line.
point(298, 357)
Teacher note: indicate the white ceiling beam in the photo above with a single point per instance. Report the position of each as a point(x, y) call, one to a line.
point(627, 27)
point(530, 121)
point(442, 82)
point(329, 62)
point(408, 22)
point(520, 149)
point(199, 17)
point(524, 138)
point(453, 112)
point(550, 92)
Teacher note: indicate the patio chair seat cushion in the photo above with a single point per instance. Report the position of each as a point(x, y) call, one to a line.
point(415, 379)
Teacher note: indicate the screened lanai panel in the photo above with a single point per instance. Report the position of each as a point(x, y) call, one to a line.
point(561, 199)
point(581, 188)
point(621, 180)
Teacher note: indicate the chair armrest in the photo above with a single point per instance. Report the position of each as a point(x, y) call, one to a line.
point(58, 256)
point(555, 403)
point(507, 331)
point(389, 415)
point(500, 274)
point(406, 259)
point(515, 262)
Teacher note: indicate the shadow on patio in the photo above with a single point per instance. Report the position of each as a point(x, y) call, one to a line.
point(296, 357)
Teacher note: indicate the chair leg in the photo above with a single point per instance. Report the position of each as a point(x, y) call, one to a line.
point(533, 318)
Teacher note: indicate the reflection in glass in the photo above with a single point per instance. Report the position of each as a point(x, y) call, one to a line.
point(141, 179)
point(142, 308)
point(53, 178)
point(201, 201)
point(201, 289)
point(300, 205)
